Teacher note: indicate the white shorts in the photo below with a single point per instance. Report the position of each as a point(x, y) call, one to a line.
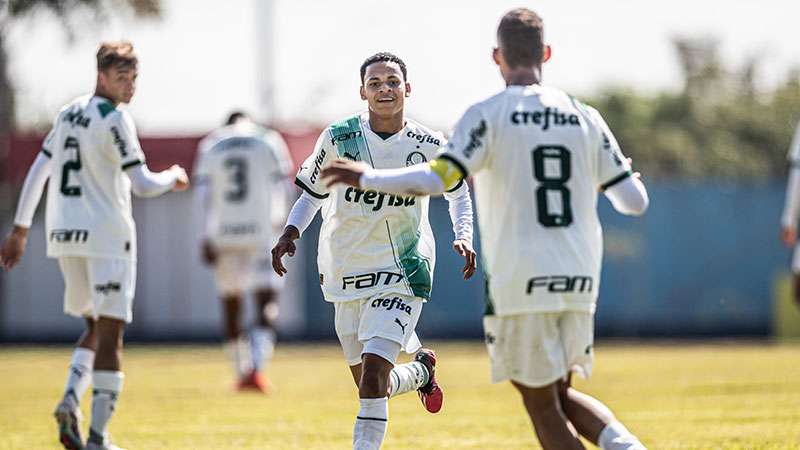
point(390, 316)
point(98, 287)
point(539, 349)
point(238, 271)
point(796, 260)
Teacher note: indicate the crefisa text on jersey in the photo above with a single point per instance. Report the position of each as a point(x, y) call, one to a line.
point(318, 165)
point(376, 198)
point(561, 283)
point(544, 118)
point(424, 138)
point(475, 136)
point(368, 280)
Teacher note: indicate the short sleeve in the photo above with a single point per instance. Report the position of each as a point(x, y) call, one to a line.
point(308, 177)
point(794, 148)
point(468, 146)
point(612, 166)
point(125, 141)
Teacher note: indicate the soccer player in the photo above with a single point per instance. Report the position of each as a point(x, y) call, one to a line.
point(242, 191)
point(791, 211)
point(376, 250)
point(93, 159)
point(539, 158)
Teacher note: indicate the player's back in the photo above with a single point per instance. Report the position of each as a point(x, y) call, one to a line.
point(544, 156)
point(244, 164)
point(88, 204)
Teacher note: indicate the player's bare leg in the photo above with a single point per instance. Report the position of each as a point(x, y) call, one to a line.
point(796, 290)
point(107, 381)
point(68, 413)
point(263, 336)
point(236, 345)
point(595, 422)
point(549, 420)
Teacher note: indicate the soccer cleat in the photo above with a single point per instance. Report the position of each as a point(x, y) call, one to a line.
point(254, 381)
point(106, 446)
point(69, 431)
point(431, 393)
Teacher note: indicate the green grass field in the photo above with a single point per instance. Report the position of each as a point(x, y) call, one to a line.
point(721, 396)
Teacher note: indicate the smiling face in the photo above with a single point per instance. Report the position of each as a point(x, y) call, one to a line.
point(384, 88)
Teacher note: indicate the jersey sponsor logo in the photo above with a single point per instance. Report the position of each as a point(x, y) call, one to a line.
point(317, 166)
point(561, 283)
point(239, 229)
point(402, 325)
point(546, 118)
point(105, 289)
point(424, 138)
point(415, 158)
point(75, 117)
point(368, 280)
point(607, 147)
point(378, 199)
point(345, 136)
point(392, 303)
point(119, 142)
point(74, 236)
point(475, 136)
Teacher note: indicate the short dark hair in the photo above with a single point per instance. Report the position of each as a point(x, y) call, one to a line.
point(236, 116)
point(116, 54)
point(520, 36)
point(383, 57)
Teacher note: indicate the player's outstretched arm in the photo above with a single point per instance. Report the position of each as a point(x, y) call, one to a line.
point(145, 183)
point(419, 179)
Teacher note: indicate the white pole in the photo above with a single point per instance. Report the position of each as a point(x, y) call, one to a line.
point(265, 56)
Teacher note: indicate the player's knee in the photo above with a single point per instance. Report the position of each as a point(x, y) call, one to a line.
point(797, 289)
point(374, 377)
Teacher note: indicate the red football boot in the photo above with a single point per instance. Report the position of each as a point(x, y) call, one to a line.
point(431, 394)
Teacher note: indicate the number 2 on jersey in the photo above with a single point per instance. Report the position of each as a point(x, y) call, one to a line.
point(552, 181)
point(71, 165)
point(238, 176)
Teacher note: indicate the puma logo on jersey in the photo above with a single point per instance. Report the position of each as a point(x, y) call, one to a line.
point(351, 157)
point(74, 236)
point(475, 136)
point(317, 166)
point(402, 327)
point(105, 289)
point(391, 303)
point(378, 199)
point(550, 116)
point(119, 142)
point(424, 138)
point(368, 280)
point(561, 283)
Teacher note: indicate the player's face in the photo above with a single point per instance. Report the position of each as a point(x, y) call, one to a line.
point(119, 83)
point(384, 88)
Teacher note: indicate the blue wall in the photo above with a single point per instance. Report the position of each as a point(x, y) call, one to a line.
point(702, 261)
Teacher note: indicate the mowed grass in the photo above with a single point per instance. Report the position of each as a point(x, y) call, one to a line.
point(717, 396)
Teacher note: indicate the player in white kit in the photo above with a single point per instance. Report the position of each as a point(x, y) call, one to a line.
point(241, 186)
point(93, 159)
point(791, 212)
point(539, 158)
point(376, 250)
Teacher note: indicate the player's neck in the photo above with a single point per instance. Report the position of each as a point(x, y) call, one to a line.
point(523, 76)
point(100, 92)
point(387, 124)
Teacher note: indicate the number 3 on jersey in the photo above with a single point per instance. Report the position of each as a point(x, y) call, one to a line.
point(71, 165)
point(238, 177)
point(552, 169)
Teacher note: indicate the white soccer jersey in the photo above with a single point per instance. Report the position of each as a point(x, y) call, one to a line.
point(794, 148)
point(539, 158)
point(88, 197)
point(372, 242)
point(244, 165)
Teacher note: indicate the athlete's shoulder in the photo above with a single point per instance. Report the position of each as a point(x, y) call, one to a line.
point(424, 135)
point(352, 121)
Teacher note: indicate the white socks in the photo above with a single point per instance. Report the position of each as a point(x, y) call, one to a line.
point(238, 351)
point(371, 423)
point(262, 346)
point(107, 386)
point(80, 375)
point(407, 377)
point(616, 437)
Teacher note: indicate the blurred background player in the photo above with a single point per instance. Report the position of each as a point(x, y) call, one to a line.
point(242, 193)
point(539, 157)
point(93, 160)
point(791, 211)
point(376, 251)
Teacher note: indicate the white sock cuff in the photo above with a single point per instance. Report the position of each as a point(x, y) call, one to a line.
point(374, 408)
point(109, 380)
point(611, 431)
point(83, 357)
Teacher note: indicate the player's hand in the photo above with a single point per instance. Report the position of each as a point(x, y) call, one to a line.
point(285, 246)
point(182, 178)
point(13, 248)
point(789, 236)
point(209, 253)
point(464, 249)
point(344, 172)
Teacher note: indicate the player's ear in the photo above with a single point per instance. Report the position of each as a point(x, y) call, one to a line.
point(362, 92)
point(408, 89)
point(548, 52)
point(497, 56)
